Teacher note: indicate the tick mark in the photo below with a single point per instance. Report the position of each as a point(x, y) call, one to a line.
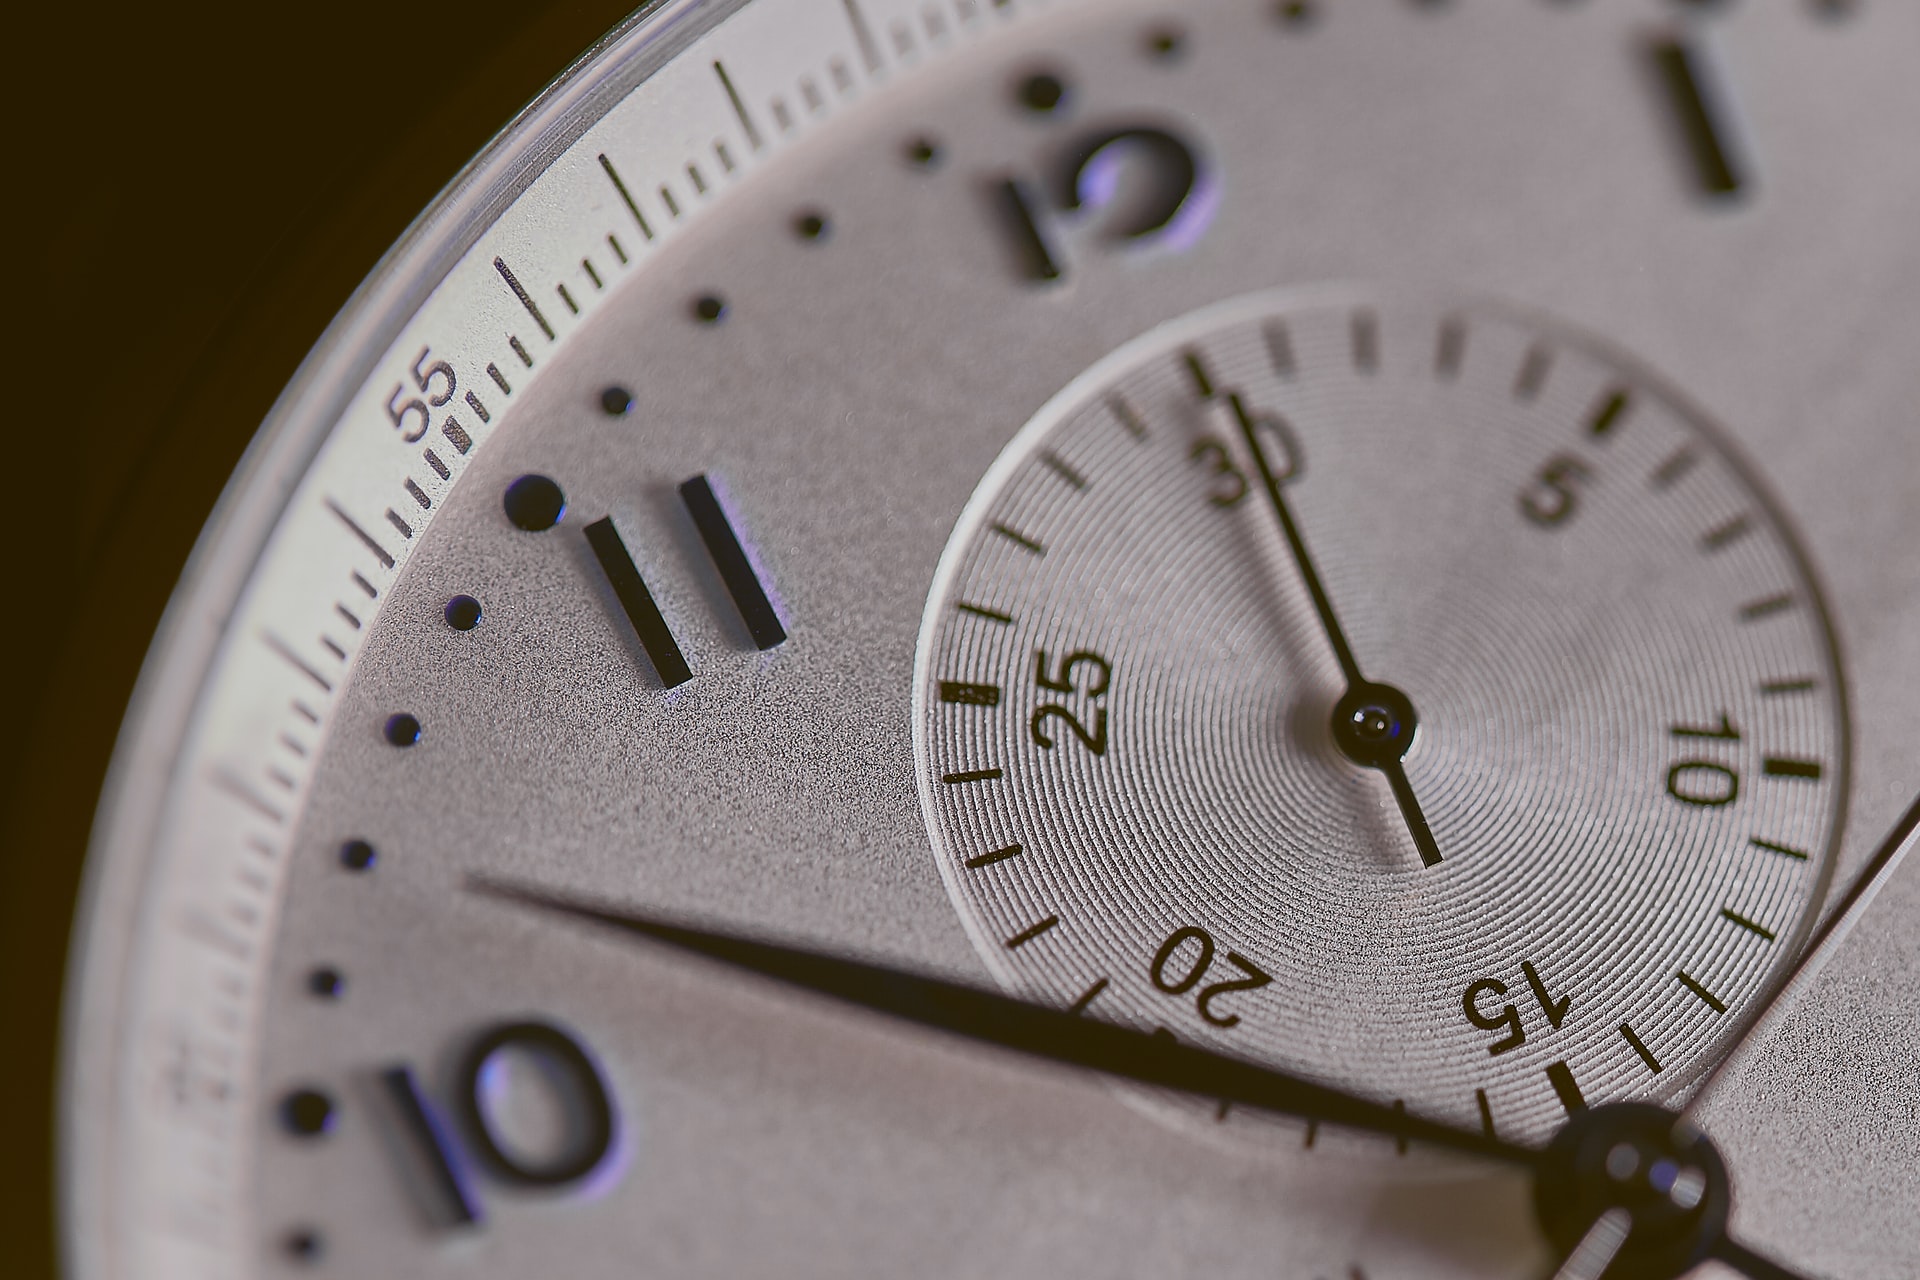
point(380, 553)
point(1804, 684)
point(1088, 996)
point(294, 660)
point(626, 198)
point(479, 410)
point(969, 695)
point(1031, 932)
point(1785, 851)
point(499, 380)
point(980, 860)
point(1699, 107)
point(1018, 539)
point(981, 611)
point(1758, 609)
point(1451, 348)
point(1366, 341)
point(1124, 412)
point(1607, 414)
point(1669, 472)
point(1534, 368)
point(1560, 1075)
point(730, 558)
point(1788, 767)
point(456, 436)
point(1486, 1113)
point(1640, 1047)
point(644, 615)
point(1197, 371)
point(1727, 534)
point(971, 775)
point(1729, 913)
point(1279, 347)
point(1058, 465)
point(1692, 984)
point(519, 291)
point(739, 108)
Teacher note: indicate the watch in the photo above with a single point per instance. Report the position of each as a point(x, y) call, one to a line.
point(1059, 637)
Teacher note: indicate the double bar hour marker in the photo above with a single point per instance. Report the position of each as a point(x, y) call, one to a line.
point(729, 558)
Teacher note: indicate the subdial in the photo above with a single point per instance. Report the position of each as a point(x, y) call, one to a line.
point(1169, 749)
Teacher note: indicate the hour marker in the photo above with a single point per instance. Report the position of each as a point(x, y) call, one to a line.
point(1804, 684)
point(1727, 534)
point(1728, 913)
point(981, 611)
point(1088, 996)
point(1787, 767)
point(969, 695)
point(1607, 414)
point(1058, 465)
point(1279, 348)
point(1031, 932)
point(1693, 90)
point(1451, 348)
point(1486, 1112)
point(1366, 341)
point(992, 856)
point(432, 1143)
point(1785, 851)
point(1533, 373)
point(1758, 609)
point(1197, 370)
point(631, 590)
point(1128, 418)
point(1560, 1076)
point(970, 775)
point(1692, 984)
point(730, 558)
point(1669, 472)
point(1640, 1047)
point(1018, 539)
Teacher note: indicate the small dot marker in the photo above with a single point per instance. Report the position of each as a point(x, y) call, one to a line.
point(615, 401)
point(709, 308)
point(463, 613)
point(1042, 92)
point(358, 855)
point(534, 503)
point(402, 730)
point(307, 1112)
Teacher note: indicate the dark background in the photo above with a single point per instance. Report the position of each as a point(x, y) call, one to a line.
point(195, 190)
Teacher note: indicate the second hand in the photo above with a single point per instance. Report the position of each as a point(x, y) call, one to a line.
point(1373, 723)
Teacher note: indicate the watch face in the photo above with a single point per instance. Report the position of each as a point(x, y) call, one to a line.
point(1269, 629)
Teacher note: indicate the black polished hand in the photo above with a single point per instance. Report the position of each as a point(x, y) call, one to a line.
point(1373, 724)
point(1053, 1034)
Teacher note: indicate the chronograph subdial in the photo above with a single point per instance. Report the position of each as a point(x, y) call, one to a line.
point(1631, 743)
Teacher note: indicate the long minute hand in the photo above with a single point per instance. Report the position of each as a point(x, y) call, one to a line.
point(1035, 1030)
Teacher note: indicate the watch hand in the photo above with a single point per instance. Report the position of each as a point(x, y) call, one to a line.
point(1820, 947)
point(1036, 1030)
point(1373, 723)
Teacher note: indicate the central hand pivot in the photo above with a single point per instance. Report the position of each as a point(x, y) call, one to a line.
point(1373, 724)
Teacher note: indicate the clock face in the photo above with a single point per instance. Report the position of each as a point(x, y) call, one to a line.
point(1372, 540)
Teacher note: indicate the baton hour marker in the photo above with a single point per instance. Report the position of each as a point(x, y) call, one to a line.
point(631, 589)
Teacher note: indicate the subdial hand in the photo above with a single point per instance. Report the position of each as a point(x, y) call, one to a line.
point(1373, 724)
point(1036, 1030)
